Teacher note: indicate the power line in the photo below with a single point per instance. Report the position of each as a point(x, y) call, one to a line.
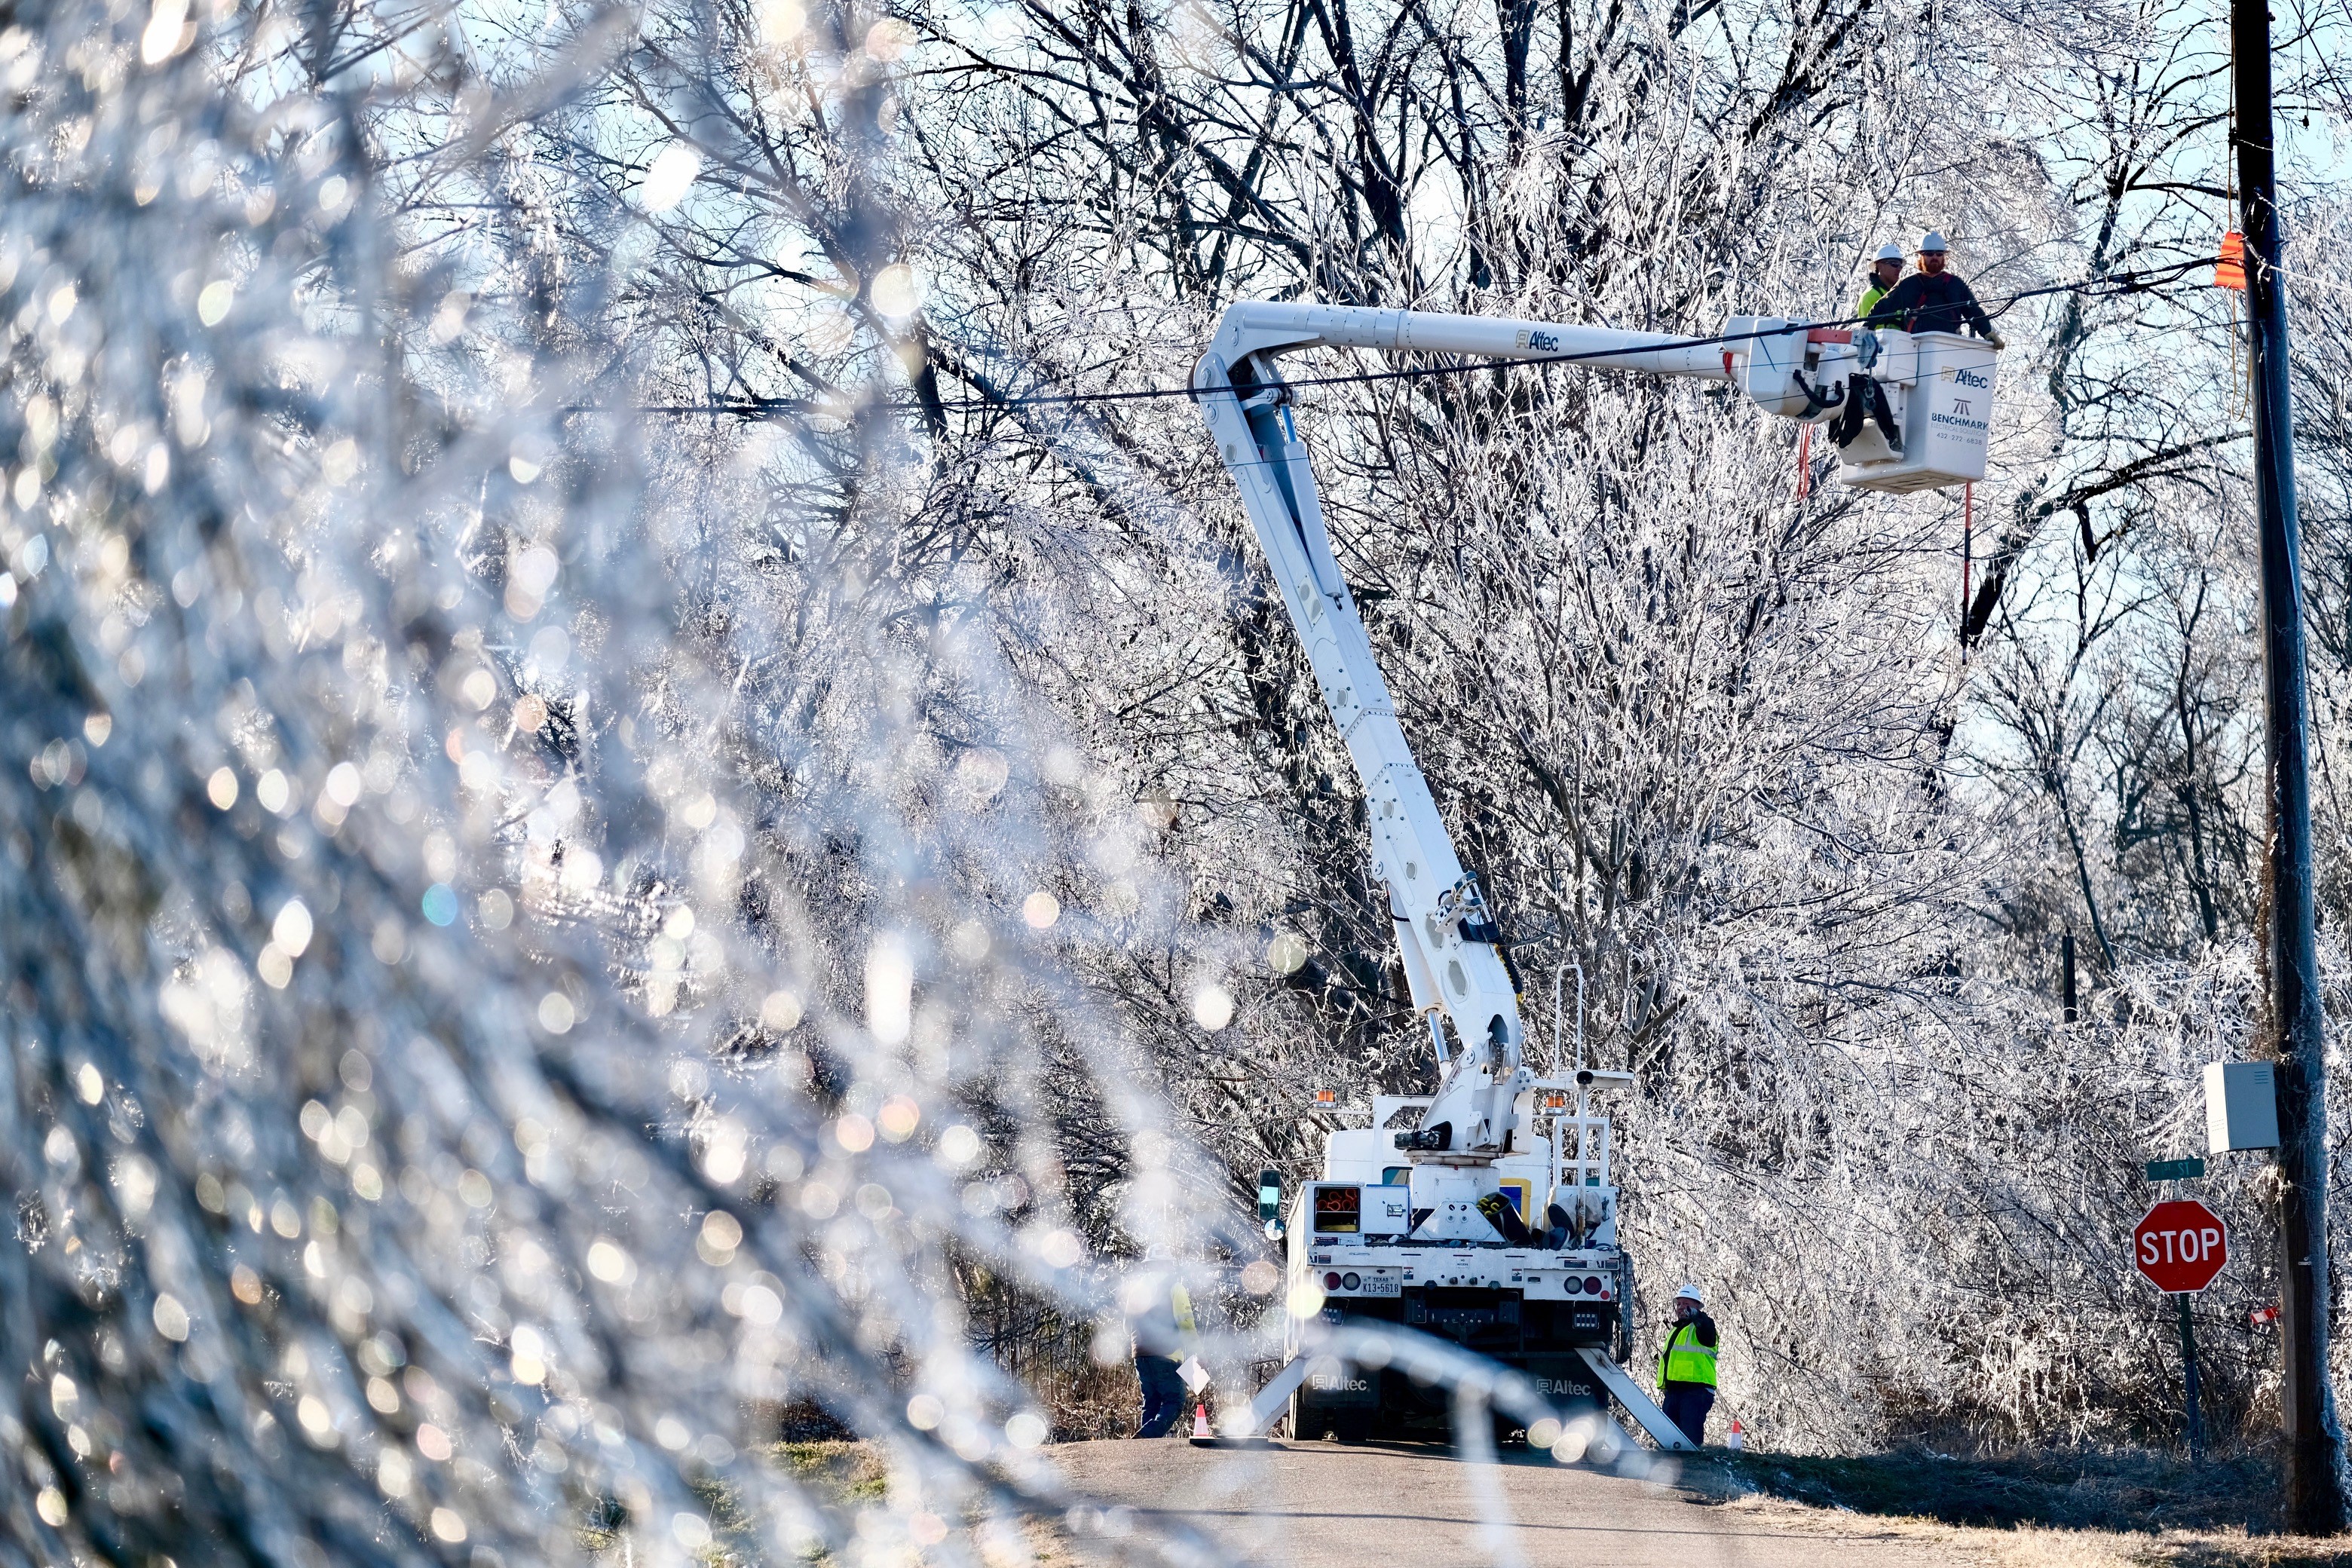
point(2127, 282)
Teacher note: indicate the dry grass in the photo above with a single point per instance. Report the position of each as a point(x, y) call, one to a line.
point(843, 1473)
point(2032, 1511)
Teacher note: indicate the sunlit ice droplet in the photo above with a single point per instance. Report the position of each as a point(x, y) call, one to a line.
point(534, 570)
point(725, 1156)
point(889, 989)
point(958, 1145)
point(291, 929)
point(673, 170)
point(898, 1118)
point(721, 1231)
point(167, 32)
point(895, 292)
point(780, 22)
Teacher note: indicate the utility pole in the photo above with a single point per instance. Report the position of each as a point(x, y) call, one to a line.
point(2314, 1495)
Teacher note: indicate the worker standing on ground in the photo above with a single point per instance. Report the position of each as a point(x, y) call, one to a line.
point(1885, 273)
point(1933, 300)
point(1687, 1368)
point(1160, 1316)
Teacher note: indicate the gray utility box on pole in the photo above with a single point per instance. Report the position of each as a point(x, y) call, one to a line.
point(2241, 1106)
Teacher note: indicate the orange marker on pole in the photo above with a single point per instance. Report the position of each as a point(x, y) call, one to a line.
point(2230, 271)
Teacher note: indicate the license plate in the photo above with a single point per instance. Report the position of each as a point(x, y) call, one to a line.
point(1382, 1285)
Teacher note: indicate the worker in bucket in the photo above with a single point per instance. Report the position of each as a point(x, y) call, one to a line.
point(1934, 298)
point(1687, 1368)
point(1885, 273)
point(1160, 1316)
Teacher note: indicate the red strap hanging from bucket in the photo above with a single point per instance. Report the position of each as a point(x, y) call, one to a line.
point(1968, 556)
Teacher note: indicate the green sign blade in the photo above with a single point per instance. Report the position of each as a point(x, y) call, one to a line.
point(2175, 1169)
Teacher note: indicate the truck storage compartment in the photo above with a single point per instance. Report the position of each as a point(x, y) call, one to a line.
point(1563, 1325)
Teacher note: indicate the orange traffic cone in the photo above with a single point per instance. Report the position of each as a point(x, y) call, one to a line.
point(1200, 1422)
point(1738, 1439)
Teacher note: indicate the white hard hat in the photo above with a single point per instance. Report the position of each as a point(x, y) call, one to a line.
point(1690, 1293)
point(1890, 251)
point(1931, 240)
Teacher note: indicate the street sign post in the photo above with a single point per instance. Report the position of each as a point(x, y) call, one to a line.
point(2180, 1246)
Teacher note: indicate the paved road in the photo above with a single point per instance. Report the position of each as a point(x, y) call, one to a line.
point(1404, 1506)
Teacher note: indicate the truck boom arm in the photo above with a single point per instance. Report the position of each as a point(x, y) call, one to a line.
point(1451, 949)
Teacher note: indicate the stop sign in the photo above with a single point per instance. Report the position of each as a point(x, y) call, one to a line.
point(2180, 1246)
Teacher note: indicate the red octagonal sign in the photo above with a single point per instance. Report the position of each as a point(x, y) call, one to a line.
point(2180, 1246)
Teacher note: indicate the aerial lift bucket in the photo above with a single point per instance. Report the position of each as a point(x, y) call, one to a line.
point(1945, 385)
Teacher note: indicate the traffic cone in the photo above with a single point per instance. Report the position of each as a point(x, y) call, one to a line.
point(1738, 1439)
point(1200, 1422)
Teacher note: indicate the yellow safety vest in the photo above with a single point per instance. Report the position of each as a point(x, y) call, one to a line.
point(1870, 299)
point(1686, 1359)
point(1179, 1303)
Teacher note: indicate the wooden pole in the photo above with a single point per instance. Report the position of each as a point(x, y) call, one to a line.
point(2314, 1492)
